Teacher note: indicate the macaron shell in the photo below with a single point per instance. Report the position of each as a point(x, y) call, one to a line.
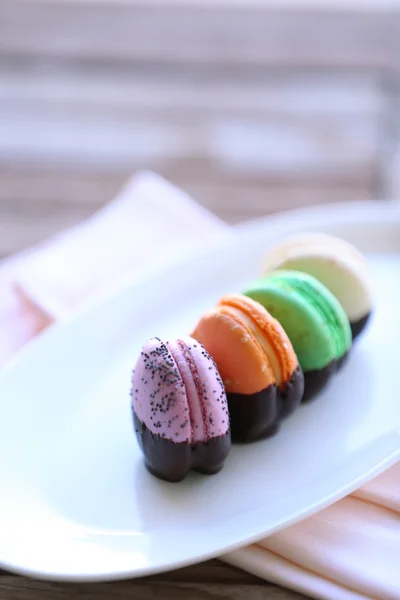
point(240, 359)
point(308, 330)
point(195, 416)
point(159, 395)
point(268, 332)
point(325, 302)
point(335, 263)
point(322, 242)
point(208, 408)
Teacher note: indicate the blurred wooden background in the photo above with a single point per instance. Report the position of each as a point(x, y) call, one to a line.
point(251, 107)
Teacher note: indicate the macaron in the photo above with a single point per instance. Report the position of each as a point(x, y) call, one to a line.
point(335, 263)
point(259, 368)
point(313, 319)
point(180, 410)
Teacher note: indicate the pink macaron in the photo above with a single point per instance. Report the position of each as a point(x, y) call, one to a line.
point(180, 410)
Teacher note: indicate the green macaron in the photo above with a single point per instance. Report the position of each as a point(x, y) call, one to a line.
point(313, 319)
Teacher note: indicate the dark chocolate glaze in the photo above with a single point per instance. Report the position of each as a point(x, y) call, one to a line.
point(254, 416)
point(257, 416)
point(316, 380)
point(358, 326)
point(170, 461)
point(341, 361)
point(291, 394)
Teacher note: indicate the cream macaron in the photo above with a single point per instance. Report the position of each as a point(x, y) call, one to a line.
point(337, 264)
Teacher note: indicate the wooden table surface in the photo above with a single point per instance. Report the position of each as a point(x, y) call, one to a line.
point(211, 580)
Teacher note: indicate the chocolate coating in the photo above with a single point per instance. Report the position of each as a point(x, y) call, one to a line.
point(291, 395)
point(341, 361)
point(358, 326)
point(171, 461)
point(254, 416)
point(315, 381)
point(257, 416)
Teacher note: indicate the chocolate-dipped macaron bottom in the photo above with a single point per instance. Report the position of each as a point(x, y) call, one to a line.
point(340, 362)
point(253, 416)
point(358, 326)
point(291, 395)
point(257, 416)
point(315, 381)
point(171, 461)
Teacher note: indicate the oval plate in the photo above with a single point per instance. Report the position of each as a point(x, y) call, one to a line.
point(76, 501)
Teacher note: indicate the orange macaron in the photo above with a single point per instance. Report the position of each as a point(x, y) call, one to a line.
point(257, 363)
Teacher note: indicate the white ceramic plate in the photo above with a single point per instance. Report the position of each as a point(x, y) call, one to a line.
point(76, 501)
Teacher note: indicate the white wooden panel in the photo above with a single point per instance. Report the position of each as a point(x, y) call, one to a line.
point(278, 126)
point(314, 35)
point(35, 204)
point(146, 91)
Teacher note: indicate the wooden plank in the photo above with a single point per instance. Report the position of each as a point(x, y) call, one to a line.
point(236, 150)
point(204, 135)
point(168, 92)
point(236, 204)
point(13, 588)
point(338, 5)
point(195, 34)
point(277, 124)
point(212, 579)
point(28, 188)
point(36, 204)
point(214, 571)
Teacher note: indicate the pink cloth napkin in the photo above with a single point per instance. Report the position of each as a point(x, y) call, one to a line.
point(348, 551)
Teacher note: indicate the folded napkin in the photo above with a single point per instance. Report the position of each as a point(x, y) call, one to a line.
point(348, 551)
